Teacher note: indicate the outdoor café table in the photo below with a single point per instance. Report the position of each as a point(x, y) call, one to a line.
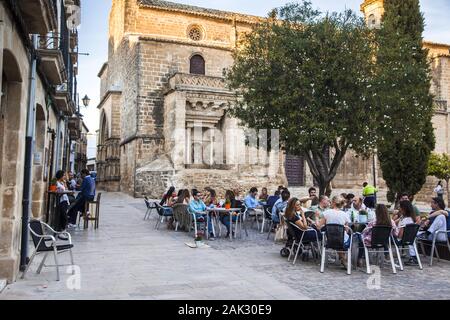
point(53, 214)
point(229, 211)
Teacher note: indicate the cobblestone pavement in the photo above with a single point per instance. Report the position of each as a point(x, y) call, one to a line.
point(126, 258)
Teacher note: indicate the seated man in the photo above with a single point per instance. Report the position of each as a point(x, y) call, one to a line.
point(280, 206)
point(438, 220)
point(307, 202)
point(272, 199)
point(198, 207)
point(251, 202)
point(87, 193)
point(324, 204)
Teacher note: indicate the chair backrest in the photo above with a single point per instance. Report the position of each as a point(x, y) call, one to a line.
point(159, 209)
point(335, 236)
point(180, 208)
point(410, 233)
point(99, 196)
point(295, 230)
point(147, 203)
point(380, 236)
point(37, 230)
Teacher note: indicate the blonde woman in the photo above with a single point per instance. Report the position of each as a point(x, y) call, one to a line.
point(335, 215)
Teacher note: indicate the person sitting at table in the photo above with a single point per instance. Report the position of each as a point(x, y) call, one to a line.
point(294, 213)
point(184, 196)
point(209, 197)
point(252, 204)
point(64, 202)
point(382, 218)
point(407, 216)
point(348, 201)
point(225, 218)
point(324, 204)
point(438, 220)
point(272, 199)
point(406, 197)
point(168, 198)
point(335, 215)
point(87, 193)
point(198, 207)
point(280, 206)
point(307, 201)
point(264, 195)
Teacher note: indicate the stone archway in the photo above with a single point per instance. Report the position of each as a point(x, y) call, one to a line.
point(39, 162)
point(11, 164)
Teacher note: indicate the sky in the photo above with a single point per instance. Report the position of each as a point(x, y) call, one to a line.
point(93, 35)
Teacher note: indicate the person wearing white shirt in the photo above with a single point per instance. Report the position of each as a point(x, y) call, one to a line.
point(335, 215)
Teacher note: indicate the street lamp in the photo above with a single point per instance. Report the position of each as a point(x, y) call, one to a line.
point(86, 101)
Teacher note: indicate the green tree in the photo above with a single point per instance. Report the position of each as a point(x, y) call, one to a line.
point(308, 75)
point(402, 94)
point(439, 166)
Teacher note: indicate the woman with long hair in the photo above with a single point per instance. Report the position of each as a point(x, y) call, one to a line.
point(167, 199)
point(294, 214)
point(225, 218)
point(382, 218)
point(407, 216)
point(335, 215)
point(184, 196)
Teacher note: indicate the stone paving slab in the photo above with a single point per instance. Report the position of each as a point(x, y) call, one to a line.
point(126, 258)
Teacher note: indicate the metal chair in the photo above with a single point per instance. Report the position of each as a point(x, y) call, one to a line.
point(88, 215)
point(333, 239)
point(381, 238)
point(434, 248)
point(409, 239)
point(38, 234)
point(163, 212)
point(300, 246)
point(150, 207)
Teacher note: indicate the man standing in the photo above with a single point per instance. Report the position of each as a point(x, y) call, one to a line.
point(87, 193)
point(369, 193)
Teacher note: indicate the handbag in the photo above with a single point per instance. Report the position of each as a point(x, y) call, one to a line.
point(281, 232)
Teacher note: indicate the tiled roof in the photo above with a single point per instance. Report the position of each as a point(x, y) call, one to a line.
point(173, 6)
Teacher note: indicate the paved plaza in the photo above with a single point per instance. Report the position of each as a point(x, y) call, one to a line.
point(126, 258)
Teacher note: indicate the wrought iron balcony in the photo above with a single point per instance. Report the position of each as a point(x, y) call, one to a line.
point(51, 58)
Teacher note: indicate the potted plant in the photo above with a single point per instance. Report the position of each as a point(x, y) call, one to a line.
point(227, 204)
point(363, 216)
point(52, 187)
point(198, 240)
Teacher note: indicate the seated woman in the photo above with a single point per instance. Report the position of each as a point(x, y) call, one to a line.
point(184, 196)
point(168, 198)
point(64, 203)
point(264, 195)
point(335, 215)
point(407, 216)
point(438, 220)
point(225, 218)
point(294, 213)
point(382, 218)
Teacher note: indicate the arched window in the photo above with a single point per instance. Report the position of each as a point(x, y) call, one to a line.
point(372, 20)
point(197, 65)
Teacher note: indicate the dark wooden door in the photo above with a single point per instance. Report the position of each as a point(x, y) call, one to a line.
point(295, 170)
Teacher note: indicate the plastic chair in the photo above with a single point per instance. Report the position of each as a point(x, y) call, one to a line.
point(150, 207)
point(381, 238)
point(333, 239)
point(409, 239)
point(163, 212)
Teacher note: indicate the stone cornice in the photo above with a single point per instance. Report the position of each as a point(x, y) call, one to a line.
point(106, 96)
point(102, 69)
point(186, 42)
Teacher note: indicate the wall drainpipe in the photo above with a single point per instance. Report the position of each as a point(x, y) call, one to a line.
point(29, 140)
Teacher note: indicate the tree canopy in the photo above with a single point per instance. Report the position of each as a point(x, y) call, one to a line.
point(309, 75)
point(402, 90)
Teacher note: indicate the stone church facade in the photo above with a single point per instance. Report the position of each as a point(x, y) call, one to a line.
point(164, 104)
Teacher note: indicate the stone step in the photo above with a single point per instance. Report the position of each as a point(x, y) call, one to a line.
point(2, 284)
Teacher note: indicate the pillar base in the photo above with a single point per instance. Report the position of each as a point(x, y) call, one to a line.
point(9, 269)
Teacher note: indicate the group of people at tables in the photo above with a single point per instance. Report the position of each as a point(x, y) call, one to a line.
point(316, 212)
